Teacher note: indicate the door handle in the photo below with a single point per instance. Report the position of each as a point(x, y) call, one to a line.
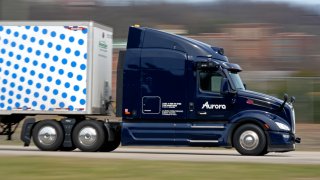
point(191, 106)
point(202, 113)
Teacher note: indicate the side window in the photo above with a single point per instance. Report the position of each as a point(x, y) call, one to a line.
point(210, 81)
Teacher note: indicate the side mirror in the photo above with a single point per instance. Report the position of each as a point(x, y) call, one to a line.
point(285, 97)
point(224, 86)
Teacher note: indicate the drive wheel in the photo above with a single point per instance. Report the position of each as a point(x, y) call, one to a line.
point(47, 135)
point(112, 145)
point(250, 140)
point(88, 135)
point(67, 148)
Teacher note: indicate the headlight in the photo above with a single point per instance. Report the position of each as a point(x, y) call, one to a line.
point(282, 126)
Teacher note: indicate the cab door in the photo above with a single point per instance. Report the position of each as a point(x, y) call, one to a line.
point(210, 104)
point(208, 111)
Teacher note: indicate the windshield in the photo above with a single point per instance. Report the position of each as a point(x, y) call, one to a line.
point(236, 81)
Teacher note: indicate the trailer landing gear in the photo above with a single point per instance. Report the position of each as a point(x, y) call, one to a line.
point(9, 124)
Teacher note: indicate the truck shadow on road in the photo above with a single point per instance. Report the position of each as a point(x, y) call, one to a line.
point(146, 152)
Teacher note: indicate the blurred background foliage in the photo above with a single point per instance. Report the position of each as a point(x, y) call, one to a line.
point(276, 42)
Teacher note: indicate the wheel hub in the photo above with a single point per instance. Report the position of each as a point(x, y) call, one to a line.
point(249, 140)
point(87, 136)
point(47, 135)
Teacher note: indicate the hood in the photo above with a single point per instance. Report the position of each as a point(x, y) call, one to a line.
point(260, 96)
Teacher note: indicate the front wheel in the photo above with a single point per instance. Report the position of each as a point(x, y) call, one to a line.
point(250, 140)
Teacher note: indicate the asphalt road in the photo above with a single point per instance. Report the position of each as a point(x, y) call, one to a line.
point(178, 154)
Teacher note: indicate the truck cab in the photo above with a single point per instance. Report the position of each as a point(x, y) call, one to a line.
point(182, 92)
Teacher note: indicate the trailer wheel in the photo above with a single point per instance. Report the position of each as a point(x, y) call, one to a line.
point(88, 135)
point(250, 140)
point(47, 135)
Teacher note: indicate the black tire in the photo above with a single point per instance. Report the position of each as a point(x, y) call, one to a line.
point(255, 147)
point(67, 148)
point(97, 128)
point(47, 141)
point(112, 145)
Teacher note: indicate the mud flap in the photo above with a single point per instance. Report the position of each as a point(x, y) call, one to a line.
point(26, 131)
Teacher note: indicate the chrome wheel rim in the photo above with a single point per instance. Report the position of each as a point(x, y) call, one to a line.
point(47, 135)
point(87, 136)
point(249, 140)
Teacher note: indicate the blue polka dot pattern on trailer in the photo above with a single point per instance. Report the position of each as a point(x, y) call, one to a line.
point(52, 68)
point(64, 61)
point(77, 53)
point(79, 77)
point(71, 39)
point(36, 29)
point(44, 31)
point(36, 94)
point(55, 91)
point(58, 47)
point(47, 88)
point(46, 55)
point(81, 41)
point(58, 81)
point(29, 49)
point(76, 88)
point(43, 68)
point(68, 50)
point(38, 52)
point(42, 107)
point(13, 44)
point(82, 102)
point(41, 42)
point(11, 54)
point(34, 103)
point(53, 34)
point(70, 74)
point(50, 44)
point(49, 78)
point(67, 85)
point(61, 71)
point(73, 98)
point(32, 39)
point(24, 37)
point(40, 76)
point(18, 96)
point(24, 69)
point(55, 58)
point(53, 101)
point(62, 36)
point(32, 72)
point(73, 64)
point(61, 104)
point(64, 95)
point(26, 59)
point(85, 31)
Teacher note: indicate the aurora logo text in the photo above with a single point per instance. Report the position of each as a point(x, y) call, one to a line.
point(213, 106)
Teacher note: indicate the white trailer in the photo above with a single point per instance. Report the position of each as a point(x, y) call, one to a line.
point(55, 67)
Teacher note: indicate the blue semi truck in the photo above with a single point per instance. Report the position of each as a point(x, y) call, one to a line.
point(171, 91)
